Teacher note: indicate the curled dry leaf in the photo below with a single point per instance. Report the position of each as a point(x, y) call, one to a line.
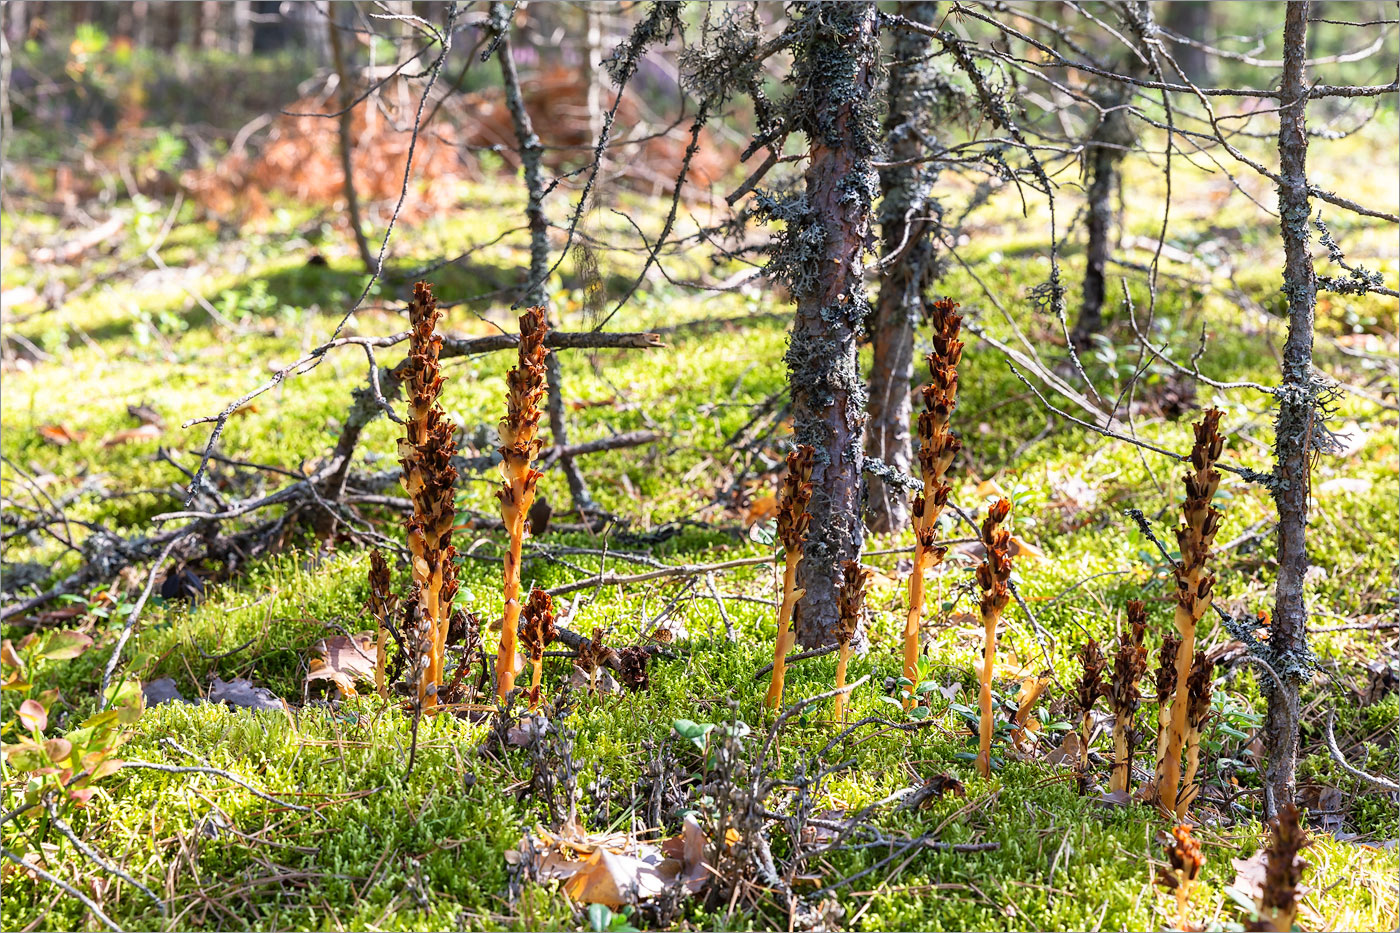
point(614, 868)
point(145, 432)
point(344, 661)
point(241, 693)
point(161, 691)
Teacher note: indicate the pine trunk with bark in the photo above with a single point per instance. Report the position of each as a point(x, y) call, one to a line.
point(908, 214)
point(834, 69)
point(1297, 428)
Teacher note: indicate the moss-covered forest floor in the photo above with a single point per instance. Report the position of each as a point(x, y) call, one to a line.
point(378, 850)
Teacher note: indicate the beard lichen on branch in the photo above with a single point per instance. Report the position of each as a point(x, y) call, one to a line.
point(425, 454)
point(519, 447)
point(1194, 590)
point(792, 530)
point(937, 447)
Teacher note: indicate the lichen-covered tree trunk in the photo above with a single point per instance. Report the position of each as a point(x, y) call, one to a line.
point(1297, 426)
point(836, 58)
point(907, 216)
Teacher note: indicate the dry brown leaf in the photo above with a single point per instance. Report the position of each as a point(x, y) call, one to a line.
point(241, 693)
point(344, 661)
point(145, 432)
point(761, 509)
point(60, 435)
point(1067, 753)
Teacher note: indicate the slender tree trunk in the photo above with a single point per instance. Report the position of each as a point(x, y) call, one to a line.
point(345, 124)
point(1103, 167)
point(1297, 428)
point(834, 73)
point(536, 294)
point(907, 216)
point(1190, 18)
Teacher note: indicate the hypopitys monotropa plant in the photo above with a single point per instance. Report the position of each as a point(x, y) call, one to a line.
point(1129, 664)
point(1283, 870)
point(519, 446)
point(1198, 691)
point(1194, 585)
point(1090, 688)
point(425, 454)
point(1185, 860)
point(1164, 679)
point(793, 519)
point(382, 604)
point(994, 577)
point(937, 447)
point(850, 603)
point(536, 632)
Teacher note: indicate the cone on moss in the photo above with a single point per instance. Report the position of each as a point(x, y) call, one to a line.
point(1194, 585)
point(994, 577)
point(536, 632)
point(425, 454)
point(382, 605)
point(519, 447)
point(1129, 664)
point(793, 519)
point(850, 603)
point(937, 447)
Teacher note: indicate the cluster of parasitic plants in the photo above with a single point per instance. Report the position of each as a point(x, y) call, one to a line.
point(1184, 674)
point(937, 448)
point(430, 623)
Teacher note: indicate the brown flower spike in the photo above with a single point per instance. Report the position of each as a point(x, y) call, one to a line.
point(1185, 857)
point(425, 454)
point(1198, 691)
point(937, 447)
point(1194, 585)
point(382, 605)
point(792, 530)
point(519, 447)
point(1164, 678)
point(850, 603)
point(1129, 664)
point(994, 577)
point(1283, 870)
point(535, 634)
point(1089, 690)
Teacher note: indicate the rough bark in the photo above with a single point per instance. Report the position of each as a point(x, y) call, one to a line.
point(535, 293)
point(1297, 428)
point(908, 213)
point(834, 73)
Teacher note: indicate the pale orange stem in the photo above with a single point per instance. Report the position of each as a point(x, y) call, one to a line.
point(913, 622)
point(838, 709)
point(984, 697)
point(785, 635)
